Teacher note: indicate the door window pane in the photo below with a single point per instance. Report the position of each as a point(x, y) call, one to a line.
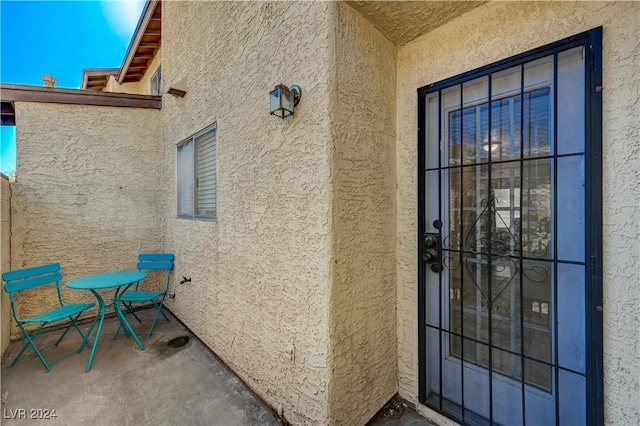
point(475, 121)
point(538, 113)
point(571, 317)
point(450, 125)
point(537, 219)
point(571, 104)
point(573, 397)
point(571, 208)
point(432, 143)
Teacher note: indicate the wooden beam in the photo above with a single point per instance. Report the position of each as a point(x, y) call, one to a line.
point(152, 33)
point(149, 46)
point(24, 93)
point(7, 108)
point(7, 120)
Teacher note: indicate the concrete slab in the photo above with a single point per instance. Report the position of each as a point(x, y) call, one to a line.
point(398, 413)
point(161, 385)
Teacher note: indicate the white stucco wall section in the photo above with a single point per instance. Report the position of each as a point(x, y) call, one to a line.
point(86, 192)
point(496, 31)
point(363, 291)
point(260, 272)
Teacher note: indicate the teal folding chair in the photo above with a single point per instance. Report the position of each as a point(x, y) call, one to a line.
point(40, 276)
point(131, 299)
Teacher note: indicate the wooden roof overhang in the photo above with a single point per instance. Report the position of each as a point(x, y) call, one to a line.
point(7, 114)
point(96, 78)
point(144, 45)
point(10, 93)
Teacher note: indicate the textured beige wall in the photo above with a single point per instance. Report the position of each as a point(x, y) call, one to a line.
point(145, 82)
point(363, 291)
point(5, 260)
point(474, 40)
point(86, 191)
point(260, 272)
point(114, 86)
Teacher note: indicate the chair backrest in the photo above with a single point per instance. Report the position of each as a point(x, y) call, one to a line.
point(156, 261)
point(23, 279)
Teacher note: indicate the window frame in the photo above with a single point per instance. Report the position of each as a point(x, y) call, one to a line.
point(156, 82)
point(192, 139)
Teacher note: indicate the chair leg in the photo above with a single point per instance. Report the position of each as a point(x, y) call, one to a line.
point(165, 316)
point(130, 310)
point(155, 319)
point(73, 323)
point(85, 337)
point(67, 330)
point(25, 345)
point(28, 341)
point(25, 342)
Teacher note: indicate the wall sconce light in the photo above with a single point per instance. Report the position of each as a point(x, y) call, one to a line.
point(283, 99)
point(492, 145)
point(178, 89)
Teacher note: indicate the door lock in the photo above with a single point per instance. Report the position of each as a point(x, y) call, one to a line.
point(431, 252)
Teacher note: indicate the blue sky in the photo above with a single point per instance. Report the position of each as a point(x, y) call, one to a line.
point(60, 38)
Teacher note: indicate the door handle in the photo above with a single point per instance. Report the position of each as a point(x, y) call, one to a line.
point(432, 251)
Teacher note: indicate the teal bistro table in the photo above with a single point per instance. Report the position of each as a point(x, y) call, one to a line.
point(103, 281)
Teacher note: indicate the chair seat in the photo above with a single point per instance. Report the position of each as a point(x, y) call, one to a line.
point(60, 313)
point(140, 296)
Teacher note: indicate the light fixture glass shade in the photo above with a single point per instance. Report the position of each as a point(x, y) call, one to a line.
point(493, 146)
point(281, 101)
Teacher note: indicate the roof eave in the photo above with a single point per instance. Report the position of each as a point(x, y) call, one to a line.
point(147, 13)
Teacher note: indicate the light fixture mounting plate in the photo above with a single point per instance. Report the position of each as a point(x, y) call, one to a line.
point(297, 94)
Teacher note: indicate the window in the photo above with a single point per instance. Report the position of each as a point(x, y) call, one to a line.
point(156, 82)
point(196, 175)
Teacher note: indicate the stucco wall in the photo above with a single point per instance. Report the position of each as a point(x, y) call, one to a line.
point(86, 191)
point(496, 31)
point(5, 260)
point(363, 291)
point(260, 272)
point(133, 88)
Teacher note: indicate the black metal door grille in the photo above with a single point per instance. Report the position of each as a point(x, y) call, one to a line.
point(509, 183)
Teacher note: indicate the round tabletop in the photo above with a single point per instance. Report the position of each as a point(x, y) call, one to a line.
point(106, 280)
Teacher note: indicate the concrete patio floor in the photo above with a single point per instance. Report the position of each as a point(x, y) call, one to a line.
point(161, 385)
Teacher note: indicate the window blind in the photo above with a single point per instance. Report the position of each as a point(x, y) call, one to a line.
point(206, 174)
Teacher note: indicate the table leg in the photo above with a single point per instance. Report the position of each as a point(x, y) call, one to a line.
point(125, 323)
point(101, 312)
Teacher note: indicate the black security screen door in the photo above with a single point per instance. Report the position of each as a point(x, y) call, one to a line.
point(509, 239)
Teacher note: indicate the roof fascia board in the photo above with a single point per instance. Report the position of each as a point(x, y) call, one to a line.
point(25, 93)
point(149, 9)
